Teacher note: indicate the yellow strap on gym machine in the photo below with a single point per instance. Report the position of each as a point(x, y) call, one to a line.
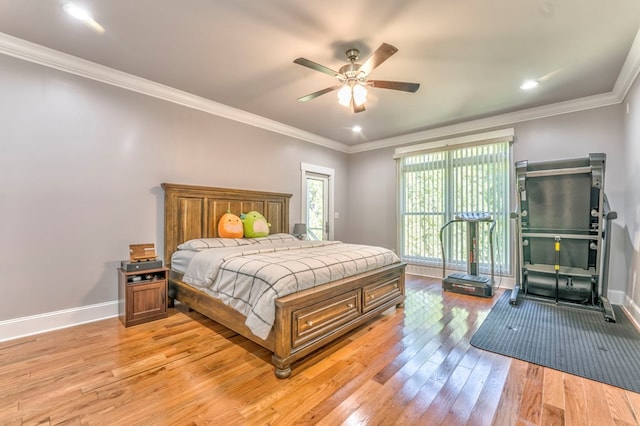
point(557, 265)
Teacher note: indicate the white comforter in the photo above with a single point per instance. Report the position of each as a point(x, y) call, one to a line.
point(250, 278)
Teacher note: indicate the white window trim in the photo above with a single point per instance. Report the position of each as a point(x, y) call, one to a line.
point(319, 170)
point(503, 135)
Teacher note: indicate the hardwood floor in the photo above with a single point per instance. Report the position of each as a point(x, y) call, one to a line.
point(410, 366)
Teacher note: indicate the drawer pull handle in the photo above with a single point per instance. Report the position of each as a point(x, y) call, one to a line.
point(350, 305)
point(371, 296)
point(309, 323)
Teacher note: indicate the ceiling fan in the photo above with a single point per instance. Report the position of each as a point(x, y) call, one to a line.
point(352, 78)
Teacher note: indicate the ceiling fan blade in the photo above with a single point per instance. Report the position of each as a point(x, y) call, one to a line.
point(315, 66)
point(394, 85)
point(378, 56)
point(314, 95)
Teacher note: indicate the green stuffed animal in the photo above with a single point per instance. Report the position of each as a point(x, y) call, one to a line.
point(255, 225)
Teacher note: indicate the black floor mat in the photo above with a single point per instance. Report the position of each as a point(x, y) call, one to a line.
point(566, 338)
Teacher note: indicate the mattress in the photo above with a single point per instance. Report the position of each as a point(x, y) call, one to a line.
point(180, 260)
point(250, 277)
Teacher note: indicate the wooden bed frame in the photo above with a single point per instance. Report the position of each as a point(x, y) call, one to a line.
point(304, 321)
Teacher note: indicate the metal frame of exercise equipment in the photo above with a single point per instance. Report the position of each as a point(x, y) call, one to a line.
point(563, 239)
point(472, 282)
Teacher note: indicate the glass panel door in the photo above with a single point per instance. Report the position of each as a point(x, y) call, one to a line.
point(317, 207)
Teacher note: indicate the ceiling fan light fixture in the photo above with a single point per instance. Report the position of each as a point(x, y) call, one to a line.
point(353, 82)
point(359, 94)
point(349, 91)
point(344, 95)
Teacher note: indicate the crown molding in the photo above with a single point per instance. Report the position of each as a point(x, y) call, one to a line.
point(501, 120)
point(35, 53)
point(629, 71)
point(45, 56)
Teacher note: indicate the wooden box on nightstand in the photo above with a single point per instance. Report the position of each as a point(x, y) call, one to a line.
point(142, 295)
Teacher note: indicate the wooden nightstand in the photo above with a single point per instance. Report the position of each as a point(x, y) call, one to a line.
point(142, 295)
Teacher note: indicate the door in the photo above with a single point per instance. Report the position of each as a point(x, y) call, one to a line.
point(317, 201)
point(317, 207)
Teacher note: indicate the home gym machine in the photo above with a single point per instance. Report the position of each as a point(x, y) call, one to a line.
point(563, 232)
point(472, 282)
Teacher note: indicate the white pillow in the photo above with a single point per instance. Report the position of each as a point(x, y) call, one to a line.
point(273, 239)
point(208, 243)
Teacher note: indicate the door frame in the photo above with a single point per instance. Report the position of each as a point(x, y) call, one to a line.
point(315, 170)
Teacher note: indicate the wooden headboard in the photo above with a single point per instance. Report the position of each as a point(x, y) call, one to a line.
point(194, 211)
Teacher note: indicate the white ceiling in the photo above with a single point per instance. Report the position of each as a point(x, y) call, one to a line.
point(469, 57)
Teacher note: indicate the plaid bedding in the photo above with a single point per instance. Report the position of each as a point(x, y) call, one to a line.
point(249, 279)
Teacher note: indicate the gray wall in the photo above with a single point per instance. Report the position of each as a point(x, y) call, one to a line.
point(372, 198)
point(373, 195)
point(80, 168)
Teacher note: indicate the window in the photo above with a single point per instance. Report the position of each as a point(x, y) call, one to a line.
point(436, 185)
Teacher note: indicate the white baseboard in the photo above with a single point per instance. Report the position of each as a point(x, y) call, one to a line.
point(424, 271)
point(427, 271)
point(632, 309)
point(617, 297)
point(41, 323)
point(36, 324)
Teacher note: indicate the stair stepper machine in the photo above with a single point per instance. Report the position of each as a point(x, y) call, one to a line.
point(472, 282)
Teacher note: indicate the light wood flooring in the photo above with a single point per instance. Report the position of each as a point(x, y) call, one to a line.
point(409, 366)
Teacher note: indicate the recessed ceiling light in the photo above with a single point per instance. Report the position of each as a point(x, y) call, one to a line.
point(83, 15)
point(529, 84)
point(77, 12)
point(356, 129)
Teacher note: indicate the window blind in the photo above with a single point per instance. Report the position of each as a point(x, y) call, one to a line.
point(436, 185)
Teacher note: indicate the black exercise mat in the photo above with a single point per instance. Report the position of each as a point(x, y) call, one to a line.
point(566, 338)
